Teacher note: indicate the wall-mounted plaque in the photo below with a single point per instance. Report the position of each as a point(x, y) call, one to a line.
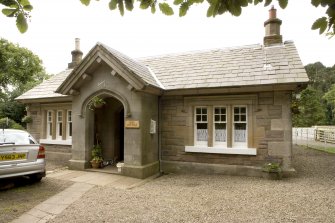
point(132, 124)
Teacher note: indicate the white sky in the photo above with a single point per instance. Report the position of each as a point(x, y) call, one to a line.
point(55, 24)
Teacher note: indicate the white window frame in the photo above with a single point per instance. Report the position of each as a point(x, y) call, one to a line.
point(49, 124)
point(59, 124)
point(240, 144)
point(218, 143)
point(237, 148)
point(68, 124)
point(196, 142)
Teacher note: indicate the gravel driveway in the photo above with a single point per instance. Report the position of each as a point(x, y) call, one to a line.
point(309, 197)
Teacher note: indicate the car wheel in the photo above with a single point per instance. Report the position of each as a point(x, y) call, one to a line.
point(36, 177)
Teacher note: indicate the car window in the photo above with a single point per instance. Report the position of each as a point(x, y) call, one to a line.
point(15, 138)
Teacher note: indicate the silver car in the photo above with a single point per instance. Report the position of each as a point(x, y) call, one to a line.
point(20, 155)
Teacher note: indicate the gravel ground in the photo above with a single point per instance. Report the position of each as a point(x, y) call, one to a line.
point(19, 195)
point(309, 197)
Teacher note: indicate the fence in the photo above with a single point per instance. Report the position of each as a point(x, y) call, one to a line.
point(319, 137)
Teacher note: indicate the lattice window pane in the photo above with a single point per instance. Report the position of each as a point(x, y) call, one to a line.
point(220, 132)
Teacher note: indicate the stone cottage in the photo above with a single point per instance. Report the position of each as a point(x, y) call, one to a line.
point(214, 111)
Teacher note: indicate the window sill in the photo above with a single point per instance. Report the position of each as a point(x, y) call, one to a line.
point(56, 141)
point(221, 150)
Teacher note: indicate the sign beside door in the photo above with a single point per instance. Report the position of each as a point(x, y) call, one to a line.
point(132, 124)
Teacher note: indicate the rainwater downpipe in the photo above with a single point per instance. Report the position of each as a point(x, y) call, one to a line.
point(159, 137)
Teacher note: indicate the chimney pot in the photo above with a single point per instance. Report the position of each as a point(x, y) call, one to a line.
point(272, 13)
point(76, 55)
point(77, 42)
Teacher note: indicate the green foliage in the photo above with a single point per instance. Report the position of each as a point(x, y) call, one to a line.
point(97, 152)
point(12, 109)
point(129, 5)
point(272, 167)
point(18, 66)
point(165, 8)
point(27, 119)
point(85, 2)
point(20, 9)
point(8, 123)
point(21, 23)
point(321, 80)
point(325, 23)
point(20, 70)
point(112, 4)
point(96, 102)
point(312, 110)
point(320, 24)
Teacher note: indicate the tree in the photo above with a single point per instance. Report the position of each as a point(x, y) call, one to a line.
point(20, 70)
point(330, 99)
point(19, 67)
point(20, 9)
point(321, 77)
point(312, 111)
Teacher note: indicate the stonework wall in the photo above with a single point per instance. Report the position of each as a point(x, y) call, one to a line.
point(270, 130)
point(56, 153)
point(34, 128)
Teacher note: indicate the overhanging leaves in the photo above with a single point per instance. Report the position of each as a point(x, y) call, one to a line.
point(121, 7)
point(145, 4)
point(316, 3)
point(85, 2)
point(28, 7)
point(165, 9)
point(21, 23)
point(9, 12)
point(320, 24)
point(267, 2)
point(178, 2)
point(183, 9)
point(153, 8)
point(112, 4)
point(215, 7)
point(129, 5)
point(9, 3)
point(24, 2)
point(283, 3)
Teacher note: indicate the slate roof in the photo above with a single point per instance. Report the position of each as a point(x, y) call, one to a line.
point(47, 88)
point(235, 66)
point(138, 68)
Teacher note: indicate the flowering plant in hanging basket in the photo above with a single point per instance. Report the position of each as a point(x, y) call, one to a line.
point(27, 119)
point(96, 102)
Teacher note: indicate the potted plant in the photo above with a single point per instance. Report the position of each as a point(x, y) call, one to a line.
point(96, 102)
point(272, 171)
point(96, 156)
point(27, 119)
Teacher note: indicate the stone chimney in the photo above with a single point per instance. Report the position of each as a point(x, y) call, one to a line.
point(76, 55)
point(272, 29)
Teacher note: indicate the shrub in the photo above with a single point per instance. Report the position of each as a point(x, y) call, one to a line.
point(8, 123)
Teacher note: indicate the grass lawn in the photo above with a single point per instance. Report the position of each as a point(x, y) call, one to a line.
point(324, 149)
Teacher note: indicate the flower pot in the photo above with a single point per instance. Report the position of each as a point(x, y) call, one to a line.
point(98, 105)
point(95, 164)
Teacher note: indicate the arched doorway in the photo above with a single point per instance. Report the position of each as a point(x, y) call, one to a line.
point(109, 129)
